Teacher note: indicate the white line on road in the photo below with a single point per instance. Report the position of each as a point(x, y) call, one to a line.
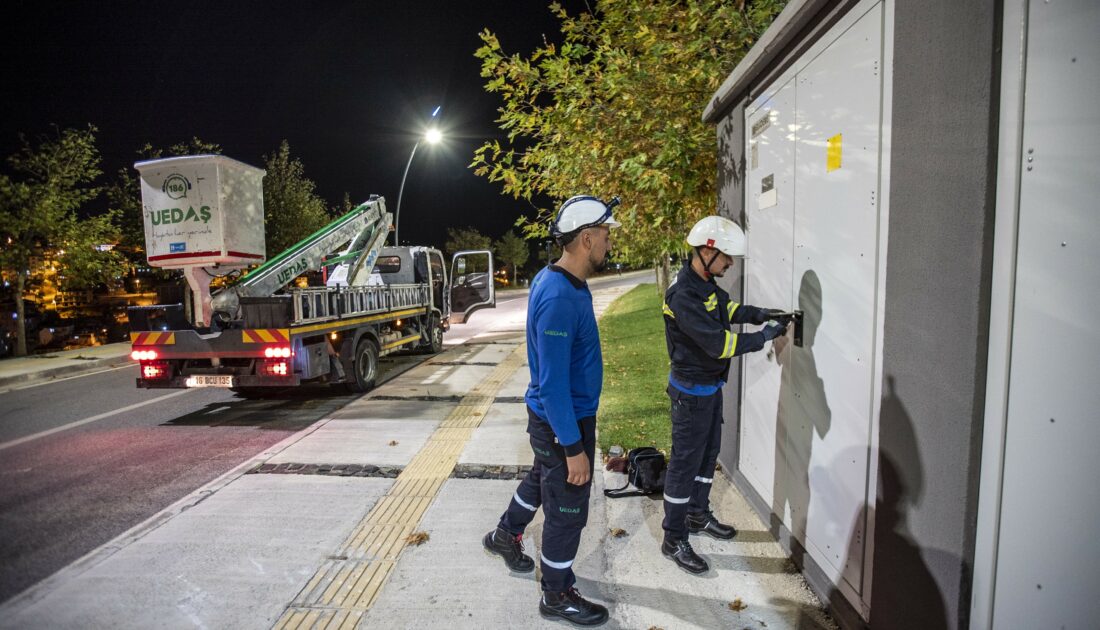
point(65, 427)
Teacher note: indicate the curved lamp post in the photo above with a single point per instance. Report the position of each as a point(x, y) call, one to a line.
point(432, 136)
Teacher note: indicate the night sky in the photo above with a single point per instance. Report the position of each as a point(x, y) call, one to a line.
point(350, 85)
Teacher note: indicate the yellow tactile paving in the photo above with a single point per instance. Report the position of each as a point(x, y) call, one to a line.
point(345, 587)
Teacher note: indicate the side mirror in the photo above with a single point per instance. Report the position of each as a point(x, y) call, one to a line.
point(472, 286)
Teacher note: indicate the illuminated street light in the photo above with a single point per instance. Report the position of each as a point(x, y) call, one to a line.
point(432, 136)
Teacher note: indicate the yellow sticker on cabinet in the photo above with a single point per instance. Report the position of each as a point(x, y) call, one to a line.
point(832, 154)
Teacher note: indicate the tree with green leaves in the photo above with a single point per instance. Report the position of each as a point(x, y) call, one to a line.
point(616, 109)
point(292, 210)
point(39, 200)
point(124, 194)
point(459, 239)
point(512, 249)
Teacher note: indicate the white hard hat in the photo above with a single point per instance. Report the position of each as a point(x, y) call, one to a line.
point(719, 233)
point(583, 211)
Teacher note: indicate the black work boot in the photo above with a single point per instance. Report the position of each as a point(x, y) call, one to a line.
point(510, 548)
point(684, 556)
point(705, 523)
point(572, 607)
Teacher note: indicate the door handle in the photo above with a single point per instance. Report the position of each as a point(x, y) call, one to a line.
point(798, 317)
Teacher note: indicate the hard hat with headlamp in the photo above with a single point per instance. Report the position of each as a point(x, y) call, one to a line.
point(580, 212)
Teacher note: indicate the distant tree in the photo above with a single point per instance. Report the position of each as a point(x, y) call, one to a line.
point(292, 209)
point(459, 239)
point(346, 206)
point(616, 109)
point(124, 194)
point(512, 249)
point(39, 200)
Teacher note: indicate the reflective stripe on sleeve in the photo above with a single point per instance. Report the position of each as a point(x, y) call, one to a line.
point(732, 308)
point(704, 479)
point(677, 501)
point(729, 346)
point(556, 565)
point(515, 497)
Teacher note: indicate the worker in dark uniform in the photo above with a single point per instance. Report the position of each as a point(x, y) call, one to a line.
point(563, 351)
point(698, 315)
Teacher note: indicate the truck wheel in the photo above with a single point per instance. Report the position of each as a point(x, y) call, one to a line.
point(435, 337)
point(365, 367)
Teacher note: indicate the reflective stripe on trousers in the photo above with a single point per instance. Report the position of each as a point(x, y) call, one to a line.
point(564, 505)
point(696, 439)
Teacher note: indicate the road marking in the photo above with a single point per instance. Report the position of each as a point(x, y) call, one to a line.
point(347, 585)
point(71, 425)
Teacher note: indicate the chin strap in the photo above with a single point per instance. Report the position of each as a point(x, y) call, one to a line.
point(706, 267)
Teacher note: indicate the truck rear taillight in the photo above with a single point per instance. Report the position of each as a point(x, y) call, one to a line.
point(273, 368)
point(154, 369)
point(275, 352)
point(143, 355)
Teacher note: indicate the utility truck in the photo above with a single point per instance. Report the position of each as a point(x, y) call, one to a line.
point(323, 311)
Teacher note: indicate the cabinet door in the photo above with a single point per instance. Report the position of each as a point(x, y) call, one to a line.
point(769, 229)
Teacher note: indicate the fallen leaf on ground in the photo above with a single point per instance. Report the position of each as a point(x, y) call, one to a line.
point(419, 538)
point(617, 533)
point(393, 442)
point(737, 605)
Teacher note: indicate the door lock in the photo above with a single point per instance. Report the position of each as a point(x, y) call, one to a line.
point(798, 317)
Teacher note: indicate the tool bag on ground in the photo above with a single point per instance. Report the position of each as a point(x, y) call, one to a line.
point(645, 470)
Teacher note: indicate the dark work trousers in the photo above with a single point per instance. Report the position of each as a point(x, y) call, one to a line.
point(696, 438)
point(564, 505)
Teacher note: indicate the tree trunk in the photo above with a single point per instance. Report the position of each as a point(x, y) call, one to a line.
point(20, 316)
point(664, 275)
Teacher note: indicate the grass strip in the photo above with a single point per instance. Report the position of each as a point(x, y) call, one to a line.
point(634, 409)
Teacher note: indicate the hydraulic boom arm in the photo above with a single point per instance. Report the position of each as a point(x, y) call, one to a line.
point(364, 227)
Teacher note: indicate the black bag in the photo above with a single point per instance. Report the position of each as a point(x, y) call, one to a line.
point(645, 470)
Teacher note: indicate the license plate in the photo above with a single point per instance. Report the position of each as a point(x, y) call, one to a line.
point(203, 380)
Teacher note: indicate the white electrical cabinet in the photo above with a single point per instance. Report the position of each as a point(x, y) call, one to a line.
point(816, 230)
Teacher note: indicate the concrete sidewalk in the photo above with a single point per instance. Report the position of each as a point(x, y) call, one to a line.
point(320, 531)
point(63, 363)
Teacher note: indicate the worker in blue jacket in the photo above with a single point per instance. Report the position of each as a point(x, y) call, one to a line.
point(563, 352)
point(698, 315)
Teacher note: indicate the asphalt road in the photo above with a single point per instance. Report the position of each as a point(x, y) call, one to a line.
point(85, 459)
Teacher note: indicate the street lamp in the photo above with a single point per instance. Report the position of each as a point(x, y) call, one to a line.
point(432, 136)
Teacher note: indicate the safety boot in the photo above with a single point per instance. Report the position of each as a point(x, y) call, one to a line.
point(684, 556)
point(509, 547)
point(705, 523)
point(572, 607)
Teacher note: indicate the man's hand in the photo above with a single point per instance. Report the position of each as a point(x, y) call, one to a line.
point(773, 329)
point(772, 314)
point(580, 471)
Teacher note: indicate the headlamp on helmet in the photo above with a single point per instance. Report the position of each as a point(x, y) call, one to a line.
point(579, 213)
